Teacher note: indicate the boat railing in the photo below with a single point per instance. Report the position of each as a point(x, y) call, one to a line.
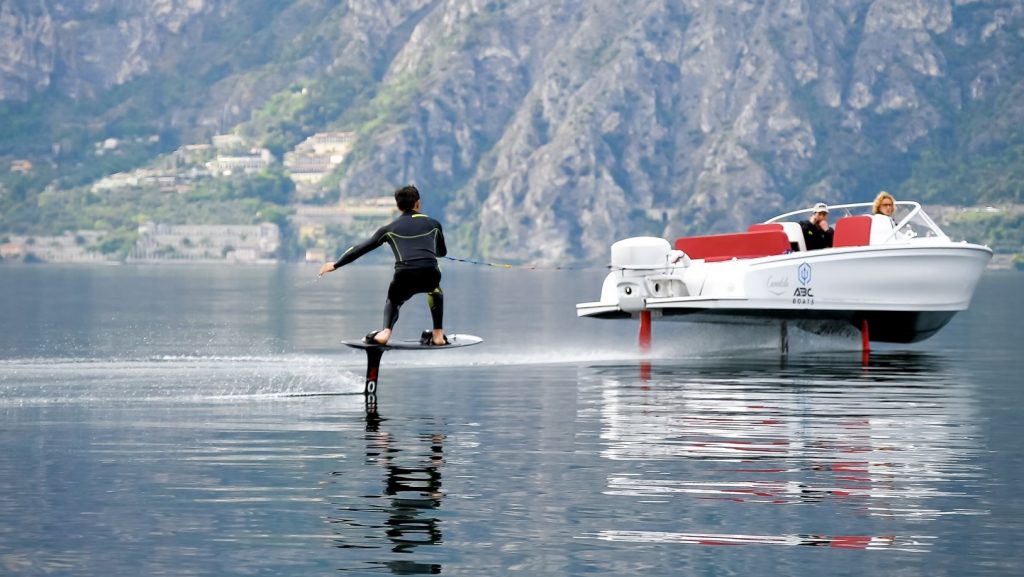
point(916, 224)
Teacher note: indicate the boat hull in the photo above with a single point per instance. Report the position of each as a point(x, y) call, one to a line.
point(883, 326)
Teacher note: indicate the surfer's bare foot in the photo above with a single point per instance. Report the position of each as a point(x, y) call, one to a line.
point(433, 338)
point(438, 338)
point(380, 337)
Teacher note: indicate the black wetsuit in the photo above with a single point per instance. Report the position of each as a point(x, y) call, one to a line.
point(417, 241)
point(814, 237)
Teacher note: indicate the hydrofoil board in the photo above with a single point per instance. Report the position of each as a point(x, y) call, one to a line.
point(454, 341)
point(374, 352)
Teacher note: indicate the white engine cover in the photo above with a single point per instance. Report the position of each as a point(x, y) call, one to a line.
point(641, 252)
point(643, 267)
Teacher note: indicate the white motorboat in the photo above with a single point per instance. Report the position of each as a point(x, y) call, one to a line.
point(894, 280)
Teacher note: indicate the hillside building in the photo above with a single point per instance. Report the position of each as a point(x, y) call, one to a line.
point(21, 166)
point(316, 157)
point(225, 165)
point(70, 247)
point(207, 243)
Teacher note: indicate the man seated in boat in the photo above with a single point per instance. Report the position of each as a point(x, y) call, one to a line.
point(817, 232)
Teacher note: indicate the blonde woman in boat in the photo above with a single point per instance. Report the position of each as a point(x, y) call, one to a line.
point(882, 210)
point(884, 204)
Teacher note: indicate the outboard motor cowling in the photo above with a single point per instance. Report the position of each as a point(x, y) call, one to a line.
point(640, 252)
point(642, 267)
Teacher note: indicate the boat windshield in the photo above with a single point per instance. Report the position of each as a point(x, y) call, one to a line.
point(910, 220)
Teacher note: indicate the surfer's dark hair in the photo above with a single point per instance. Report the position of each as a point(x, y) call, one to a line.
point(406, 198)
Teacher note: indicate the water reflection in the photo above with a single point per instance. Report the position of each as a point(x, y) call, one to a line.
point(865, 542)
point(412, 490)
point(893, 439)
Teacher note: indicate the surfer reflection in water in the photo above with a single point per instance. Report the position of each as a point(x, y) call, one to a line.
point(414, 491)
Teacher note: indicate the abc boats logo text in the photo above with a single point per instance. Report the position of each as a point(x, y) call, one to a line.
point(803, 294)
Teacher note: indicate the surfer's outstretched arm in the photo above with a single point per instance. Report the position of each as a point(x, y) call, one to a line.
point(356, 251)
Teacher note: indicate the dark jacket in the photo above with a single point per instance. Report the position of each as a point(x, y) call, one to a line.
point(814, 237)
point(416, 239)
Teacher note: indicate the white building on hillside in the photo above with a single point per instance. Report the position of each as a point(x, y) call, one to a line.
point(316, 157)
point(246, 164)
point(207, 243)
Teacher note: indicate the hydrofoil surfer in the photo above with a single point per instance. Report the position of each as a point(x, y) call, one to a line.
point(416, 241)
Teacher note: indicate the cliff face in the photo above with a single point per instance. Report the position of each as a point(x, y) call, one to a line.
point(563, 126)
point(86, 47)
point(550, 128)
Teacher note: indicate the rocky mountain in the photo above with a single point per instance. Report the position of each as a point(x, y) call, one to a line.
point(544, 130)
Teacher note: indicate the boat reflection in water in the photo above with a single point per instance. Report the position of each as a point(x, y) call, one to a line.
point(827, 442)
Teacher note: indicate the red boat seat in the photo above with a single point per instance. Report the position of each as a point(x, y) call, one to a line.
point(764, 226)
point(735, 245)
point(852, 231)
point(792, 230)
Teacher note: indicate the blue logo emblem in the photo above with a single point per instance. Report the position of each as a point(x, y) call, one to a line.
point(803, 273)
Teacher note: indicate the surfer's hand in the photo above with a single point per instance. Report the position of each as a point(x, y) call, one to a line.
point(328, 267)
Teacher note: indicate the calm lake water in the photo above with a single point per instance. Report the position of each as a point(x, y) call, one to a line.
point(207, 421)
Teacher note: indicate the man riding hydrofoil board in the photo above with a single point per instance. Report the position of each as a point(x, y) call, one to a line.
point(416, 241)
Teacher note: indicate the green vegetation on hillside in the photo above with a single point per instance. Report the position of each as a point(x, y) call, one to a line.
point(300, 111)
point(959, 177)
point(263, 197)
point(999, 229)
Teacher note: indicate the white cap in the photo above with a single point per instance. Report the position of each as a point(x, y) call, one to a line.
point(820, 207)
